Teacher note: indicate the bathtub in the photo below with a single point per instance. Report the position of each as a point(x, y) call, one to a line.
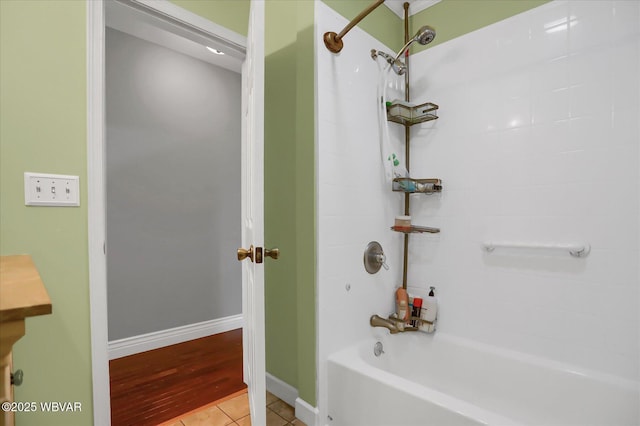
point(445, 380)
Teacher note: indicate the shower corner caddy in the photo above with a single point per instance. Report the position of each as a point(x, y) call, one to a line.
point(407, 114)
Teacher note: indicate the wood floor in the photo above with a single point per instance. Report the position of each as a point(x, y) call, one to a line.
point(155, 386)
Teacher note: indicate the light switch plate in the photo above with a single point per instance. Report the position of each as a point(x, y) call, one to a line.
point(46, 189)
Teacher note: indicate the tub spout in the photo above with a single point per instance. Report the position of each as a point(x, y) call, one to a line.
point(378, 321)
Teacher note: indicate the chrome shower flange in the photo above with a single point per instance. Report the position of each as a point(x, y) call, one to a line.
point(374, 258)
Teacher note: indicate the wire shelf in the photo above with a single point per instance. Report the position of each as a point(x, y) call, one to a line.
point(413, 229)
point(412, 186)
point(407, 114)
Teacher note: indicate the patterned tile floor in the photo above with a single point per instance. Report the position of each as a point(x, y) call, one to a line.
point(234, 410)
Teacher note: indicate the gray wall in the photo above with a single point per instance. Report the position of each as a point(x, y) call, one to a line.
point(173, 188)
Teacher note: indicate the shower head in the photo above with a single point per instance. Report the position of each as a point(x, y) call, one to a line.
point(396, 64)
point(425, 35)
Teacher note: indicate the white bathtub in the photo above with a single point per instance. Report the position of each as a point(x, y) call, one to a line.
point(443, 380)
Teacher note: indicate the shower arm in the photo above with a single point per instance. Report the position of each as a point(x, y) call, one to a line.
point(333, 41)
point(405, 47)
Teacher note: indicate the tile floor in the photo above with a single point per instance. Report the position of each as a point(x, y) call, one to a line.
point(234, 410)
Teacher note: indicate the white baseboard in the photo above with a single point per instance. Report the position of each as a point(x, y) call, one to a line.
point(158, 339)
point(306, 413)
point(289, 394)
point(281, 389)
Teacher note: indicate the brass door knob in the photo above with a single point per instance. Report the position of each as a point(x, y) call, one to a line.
point(244, 253)
point(273, 253)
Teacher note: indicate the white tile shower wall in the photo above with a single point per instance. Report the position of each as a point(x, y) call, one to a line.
point(355, 205)
point(537, 142)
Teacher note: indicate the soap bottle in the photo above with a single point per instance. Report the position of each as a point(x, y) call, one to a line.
point(430, 307)
point(402, 304)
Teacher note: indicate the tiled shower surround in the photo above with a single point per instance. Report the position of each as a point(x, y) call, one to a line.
point(537, 142)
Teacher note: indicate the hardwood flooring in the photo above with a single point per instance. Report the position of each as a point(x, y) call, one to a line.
point(152, 387)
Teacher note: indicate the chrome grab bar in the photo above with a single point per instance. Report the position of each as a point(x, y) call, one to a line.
point(575, 250)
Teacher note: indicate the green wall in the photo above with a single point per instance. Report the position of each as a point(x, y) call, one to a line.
point(382, 23)
point(306, 203)
point(280, 195)
point(43, 129)
point(290, 194)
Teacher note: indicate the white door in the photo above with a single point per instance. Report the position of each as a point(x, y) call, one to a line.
point(252, 214)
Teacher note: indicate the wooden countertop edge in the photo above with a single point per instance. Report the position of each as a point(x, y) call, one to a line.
point(21, 281)
point(22, 313)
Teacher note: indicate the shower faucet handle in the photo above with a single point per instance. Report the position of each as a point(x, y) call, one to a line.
point(383, 261)
point(374, 258)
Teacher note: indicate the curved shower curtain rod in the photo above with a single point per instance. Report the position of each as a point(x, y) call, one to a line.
point(333, 41)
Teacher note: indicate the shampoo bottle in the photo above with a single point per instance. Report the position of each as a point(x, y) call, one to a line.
point(402, 304)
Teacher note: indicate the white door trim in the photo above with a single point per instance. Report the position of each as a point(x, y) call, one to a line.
point(96, 213)
point(191, 26)
point(96, 173)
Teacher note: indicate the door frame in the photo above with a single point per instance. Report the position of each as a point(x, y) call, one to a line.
point(96, 171)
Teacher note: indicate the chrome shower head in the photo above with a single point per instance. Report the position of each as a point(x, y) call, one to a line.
point(425, 35)
point(396, 64)
point(399, 67)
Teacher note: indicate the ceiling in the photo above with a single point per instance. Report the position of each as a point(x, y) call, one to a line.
point(122, 17)
point(415, 6)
